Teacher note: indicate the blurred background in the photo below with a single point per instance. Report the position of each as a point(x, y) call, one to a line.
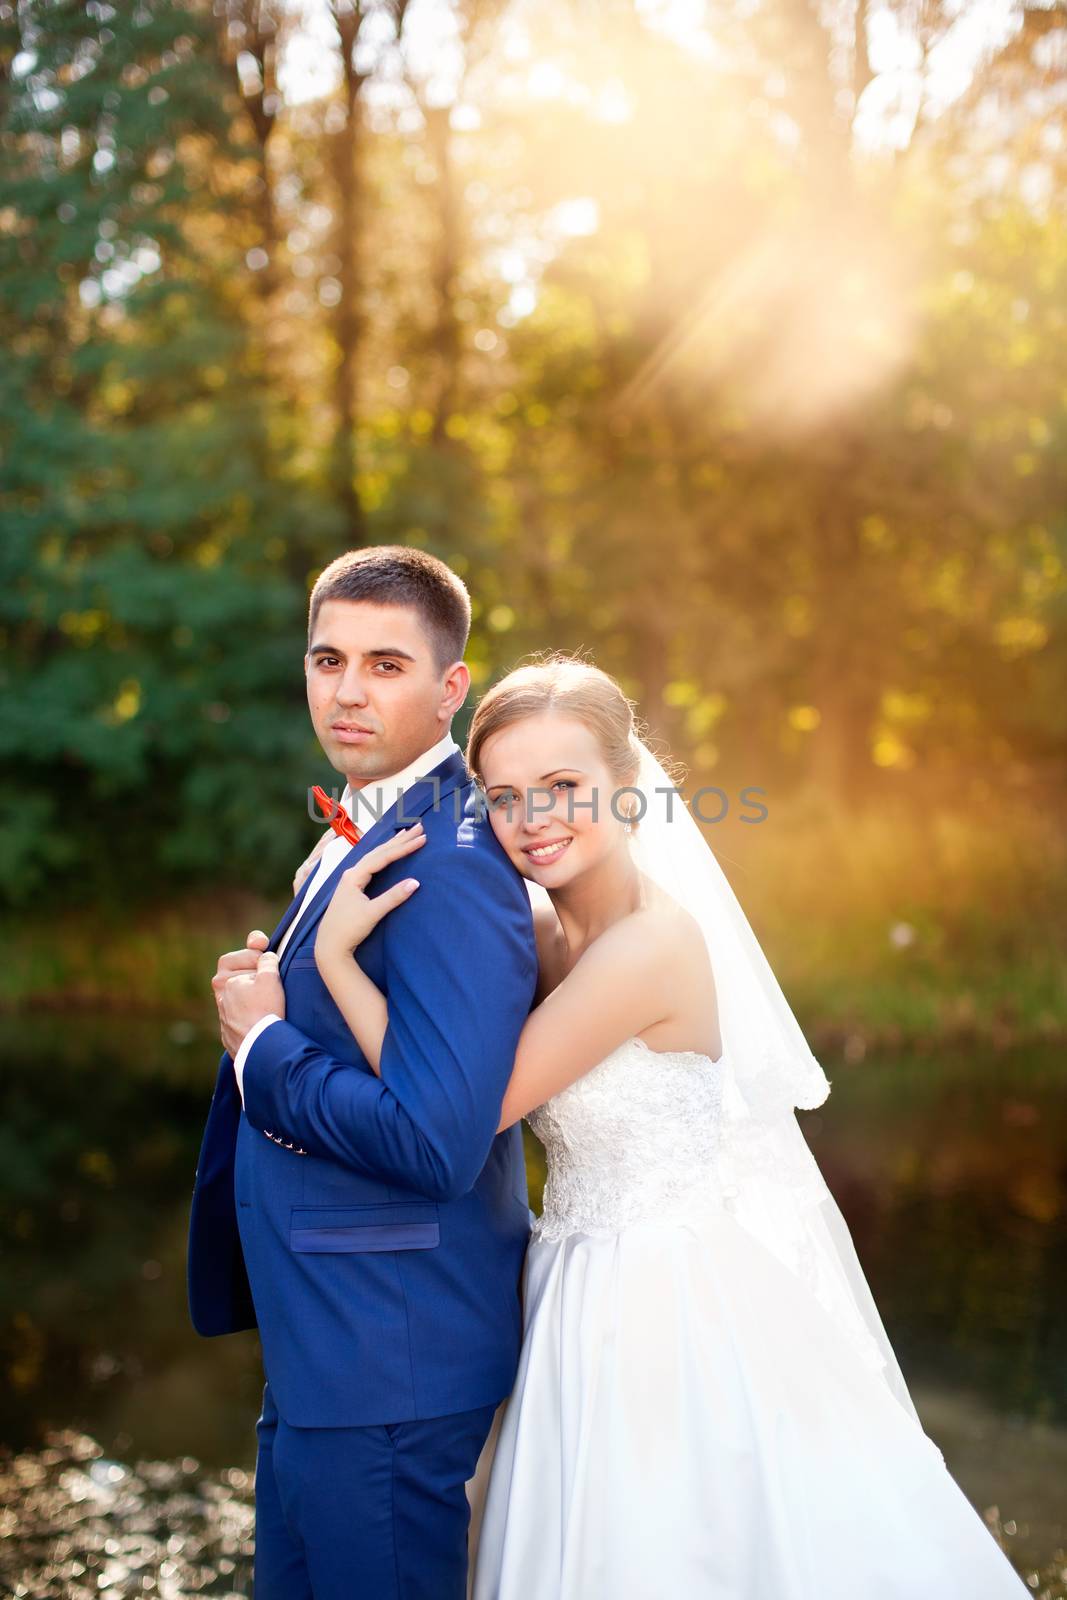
point(725, 341)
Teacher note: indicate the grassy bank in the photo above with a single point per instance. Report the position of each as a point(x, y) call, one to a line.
point(882, 930)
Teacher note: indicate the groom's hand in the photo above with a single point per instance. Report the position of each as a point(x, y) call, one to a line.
point(235, 961)
point(248, 996)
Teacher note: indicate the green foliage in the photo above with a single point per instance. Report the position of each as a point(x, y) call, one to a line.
point(152, 713)
point(772, 426)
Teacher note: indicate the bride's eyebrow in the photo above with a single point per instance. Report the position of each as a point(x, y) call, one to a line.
point(575, 772)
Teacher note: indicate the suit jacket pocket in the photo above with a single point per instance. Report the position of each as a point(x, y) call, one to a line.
point(349, 1230)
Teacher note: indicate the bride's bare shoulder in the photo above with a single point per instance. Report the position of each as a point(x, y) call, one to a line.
point(660, 934)
point(670, 921)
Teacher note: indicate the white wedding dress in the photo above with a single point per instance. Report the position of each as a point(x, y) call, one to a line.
point(688, 1422)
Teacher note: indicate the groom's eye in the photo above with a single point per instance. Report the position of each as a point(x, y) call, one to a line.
point(392, 665)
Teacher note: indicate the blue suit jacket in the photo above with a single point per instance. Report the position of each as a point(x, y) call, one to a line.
point(383, 1267)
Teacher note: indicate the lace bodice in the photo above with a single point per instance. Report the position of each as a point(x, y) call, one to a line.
point(633, 1140)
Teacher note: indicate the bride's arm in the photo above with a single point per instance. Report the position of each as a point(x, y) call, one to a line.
point(346, 922)
point(617, 989)
point(621, 985)
point(629, 978)
point(358, 999)
point(624, 983)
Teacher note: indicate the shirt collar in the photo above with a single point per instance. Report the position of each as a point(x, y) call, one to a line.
point(366, 805)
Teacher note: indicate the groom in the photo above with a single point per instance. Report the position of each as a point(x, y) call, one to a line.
point(374, 1229)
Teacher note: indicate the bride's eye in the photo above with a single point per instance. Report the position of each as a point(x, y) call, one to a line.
point(564, 783)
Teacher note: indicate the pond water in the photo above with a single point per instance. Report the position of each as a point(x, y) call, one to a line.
point(950, 1168)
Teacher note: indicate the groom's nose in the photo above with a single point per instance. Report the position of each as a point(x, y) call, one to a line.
point(351, 691)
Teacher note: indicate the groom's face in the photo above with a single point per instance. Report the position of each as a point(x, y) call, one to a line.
point(376, 695)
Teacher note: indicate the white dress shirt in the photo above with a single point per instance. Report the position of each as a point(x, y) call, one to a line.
point(364, 807)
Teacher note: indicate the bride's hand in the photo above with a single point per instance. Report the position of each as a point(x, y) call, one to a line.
point(351, 913)
point(307, 867)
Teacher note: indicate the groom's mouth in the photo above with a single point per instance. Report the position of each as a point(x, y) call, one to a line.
point(350, 732)
point(543, 855)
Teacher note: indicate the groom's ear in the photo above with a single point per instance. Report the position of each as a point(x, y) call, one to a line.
point(455, 687)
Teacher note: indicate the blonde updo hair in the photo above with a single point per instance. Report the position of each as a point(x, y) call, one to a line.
point(574, 688)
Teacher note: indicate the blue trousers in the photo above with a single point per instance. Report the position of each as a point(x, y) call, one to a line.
point(377, 1513)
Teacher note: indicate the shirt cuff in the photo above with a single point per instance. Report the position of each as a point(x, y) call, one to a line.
point(245, 1046)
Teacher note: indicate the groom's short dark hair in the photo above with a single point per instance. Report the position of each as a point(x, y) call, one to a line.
point(397, 575)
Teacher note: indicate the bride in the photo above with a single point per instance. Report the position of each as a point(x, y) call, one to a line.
point(707, 1405)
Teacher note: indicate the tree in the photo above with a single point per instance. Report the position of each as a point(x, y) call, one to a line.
point(149, 624)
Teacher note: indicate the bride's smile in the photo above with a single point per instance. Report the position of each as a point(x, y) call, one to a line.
point(544, 854)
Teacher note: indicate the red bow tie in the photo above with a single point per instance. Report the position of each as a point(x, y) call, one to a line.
point(337, 816)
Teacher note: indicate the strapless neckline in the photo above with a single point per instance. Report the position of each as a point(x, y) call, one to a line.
point(696, 1055)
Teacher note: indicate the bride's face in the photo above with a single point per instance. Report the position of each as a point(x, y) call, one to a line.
point(550, 794)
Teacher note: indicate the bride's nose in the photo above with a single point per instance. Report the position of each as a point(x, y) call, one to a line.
point(534, 819)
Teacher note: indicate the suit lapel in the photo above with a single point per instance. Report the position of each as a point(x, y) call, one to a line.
point(414, 802)
point(280, 931)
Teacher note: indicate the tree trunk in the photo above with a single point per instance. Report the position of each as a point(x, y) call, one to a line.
point(344, 161)
point(446, 333)
point(259, 39)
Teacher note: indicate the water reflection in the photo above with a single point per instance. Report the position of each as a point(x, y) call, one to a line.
point(100, 1124)
point(951, 1171)
point(86, 1524)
